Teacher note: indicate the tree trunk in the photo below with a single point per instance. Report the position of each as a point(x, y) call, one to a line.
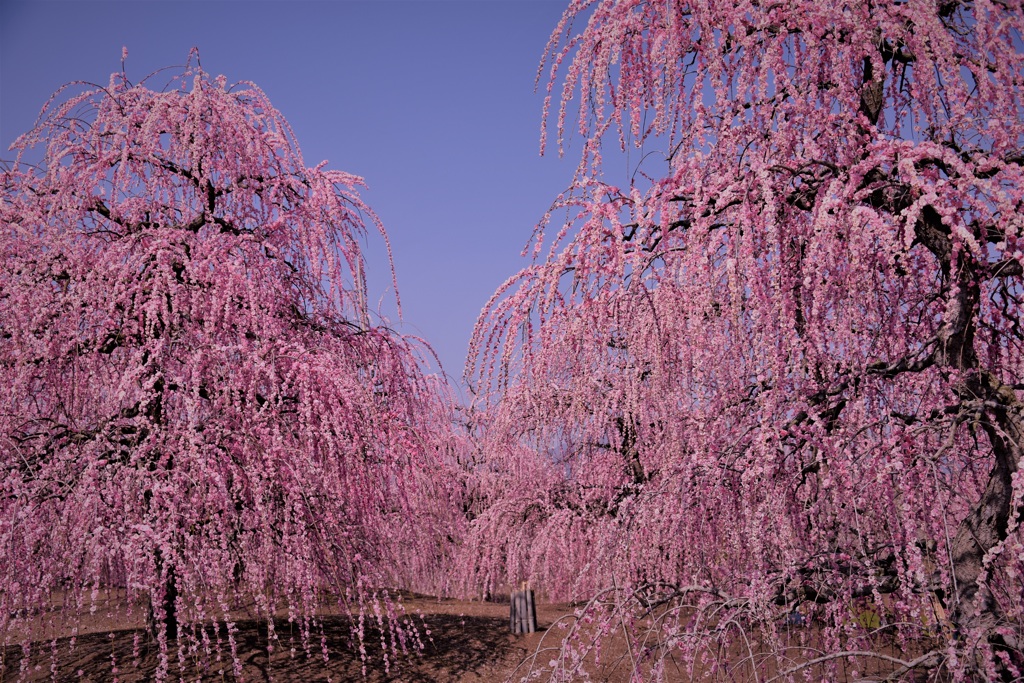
point(975, 610)
point(168, 601)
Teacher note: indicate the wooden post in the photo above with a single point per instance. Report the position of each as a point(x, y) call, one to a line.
point(513, 612)
point(522, 616)
point(521, 611)
point(531, 611)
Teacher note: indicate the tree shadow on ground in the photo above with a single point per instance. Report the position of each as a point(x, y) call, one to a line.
point(457, 648)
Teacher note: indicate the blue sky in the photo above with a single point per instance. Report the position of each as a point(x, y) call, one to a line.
point(431, 101)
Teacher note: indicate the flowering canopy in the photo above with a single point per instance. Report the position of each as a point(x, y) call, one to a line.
point(195, 403)
point(780, 373)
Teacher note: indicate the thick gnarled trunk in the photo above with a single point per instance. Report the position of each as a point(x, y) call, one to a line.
point(167, 598)
point(975, 610)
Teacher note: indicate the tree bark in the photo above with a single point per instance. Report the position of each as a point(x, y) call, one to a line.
point(974, 607)
point(167, 599)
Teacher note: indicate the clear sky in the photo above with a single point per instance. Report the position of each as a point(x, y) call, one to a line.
point(431, 101)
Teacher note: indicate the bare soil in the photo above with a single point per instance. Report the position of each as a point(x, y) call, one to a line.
point(462, 641)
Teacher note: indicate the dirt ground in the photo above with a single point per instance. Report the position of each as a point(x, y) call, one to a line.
point(462, 641)
point(467, 641)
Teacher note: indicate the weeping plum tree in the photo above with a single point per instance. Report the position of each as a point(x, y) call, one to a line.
point(774, 381)
point(196, 411)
